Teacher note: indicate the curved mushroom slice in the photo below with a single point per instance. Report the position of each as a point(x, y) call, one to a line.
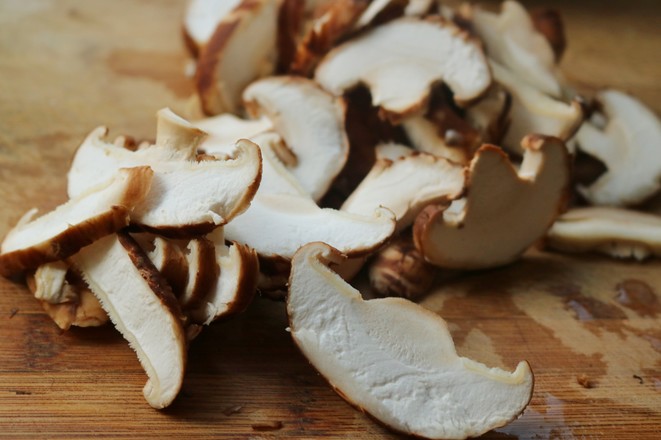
point(511, 39)
point(203, 271)
point(80, 221)
point(616, 232)
point(170, 260)
point(242, 49)
point(279, 224)
point(503, 213)
point(235, 287)
point(630, 147)
point(394, 359)
point(224, 130)
point(406, 185)
point(201, 19)
point(310, 121)
point(534, 112)
point(47, 283)
point(143, 308)
point(400, 61)
point(186, 196)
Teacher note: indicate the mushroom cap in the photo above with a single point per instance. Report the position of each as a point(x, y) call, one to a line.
point(512, 39)
point(142, 307)
point(503, 212)
point(401, 60)
point(276, 225)
point(406, 185)
point(104, 209)
point(629, 146)
point(616, 232)
point(242, 48)
point(311, 123)
point(394, 359)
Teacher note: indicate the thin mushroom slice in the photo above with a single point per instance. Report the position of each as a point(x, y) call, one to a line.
point(534, 112)
point(512, 40)
point(170, 260)
point(629, 146)
point(234, 288)
point(394, 359)
point(504, 212)
point(406, 185)
point(311, 123)
point(142, 306)
point(276, 225)
point(400, 61)
point(242, 49)
point(203, 271)
point(104, 209)
point(187, 196)
point(617, 232)
point(223, 131)
point(201, 19)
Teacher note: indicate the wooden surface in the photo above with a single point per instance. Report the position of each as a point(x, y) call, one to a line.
point(68, 66)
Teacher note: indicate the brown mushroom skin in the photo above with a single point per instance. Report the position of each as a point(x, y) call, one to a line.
point(399, 269)
point(548, 22)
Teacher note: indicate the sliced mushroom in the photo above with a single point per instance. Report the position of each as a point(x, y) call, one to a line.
point(143, 308)
point(534, 112)
point(512, 40)
point(443, 132)
point(104, 209)
point(616, 232)
point(504, 211)
point(629, 146)
point(235, 287)
point(491, 114)
point(242, 49)
point(170, 260)
point(399, 269)
point(201, 19)
point(276, 225)
point(394, 359)
point(310, 121)
point(406, 185)
point(337, 21)
point(65, 297)
point(224, 130)
point(203, 271)
point(400, 61)
point(187, 196)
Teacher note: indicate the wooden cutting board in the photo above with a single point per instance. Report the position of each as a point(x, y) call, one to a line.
point(68, 66)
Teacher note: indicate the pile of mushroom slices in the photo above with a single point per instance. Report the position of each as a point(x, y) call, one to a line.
point(393, 136)
point(458, 123)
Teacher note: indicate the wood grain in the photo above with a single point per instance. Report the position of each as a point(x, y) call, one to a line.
point(69, 66)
